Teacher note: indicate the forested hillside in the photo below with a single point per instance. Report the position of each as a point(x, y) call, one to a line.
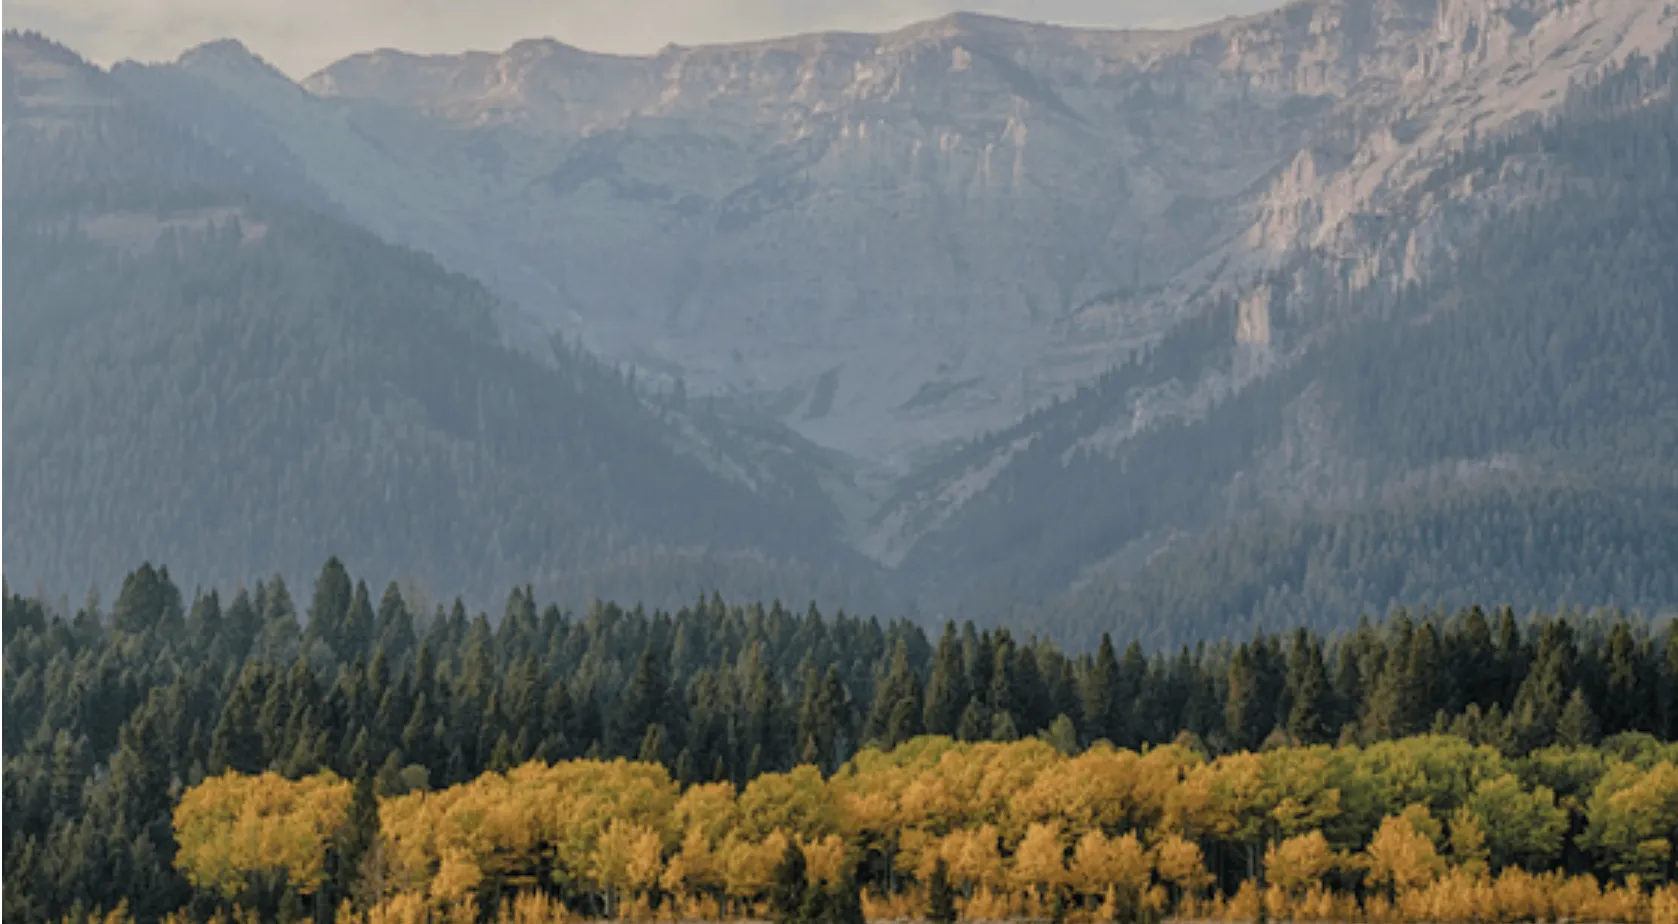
point(1546, 545)
point(113, 713)
point(1503, 427)
point(204, 369)
point(209, 367)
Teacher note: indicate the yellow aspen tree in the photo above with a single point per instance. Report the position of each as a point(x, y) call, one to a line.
point(975, 859)
point(1181, 863)
point(749, 868)
point(695, 869)
point(1159, 771)
point(1296, 864)
point(626, 857)
point(1400, 857)
point(795, 803)
point(1663, 905)
point(406, 908)
point(1039, 861)
point(457, 880)
point(1468, 843)
point(1093, 868)
point(1633, 815)
point(646, 862)
point(824, 859)
point(1092, 790)
point(998, 771)
point(709, 807)
point(1117, 869)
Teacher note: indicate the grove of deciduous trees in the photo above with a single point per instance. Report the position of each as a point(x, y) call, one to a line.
point(1430, 828)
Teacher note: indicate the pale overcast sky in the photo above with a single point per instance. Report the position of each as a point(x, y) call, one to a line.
point(300, 36)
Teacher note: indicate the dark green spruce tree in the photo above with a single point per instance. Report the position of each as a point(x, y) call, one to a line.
point(1311, 717)
point(946, 689)
point(786, 891)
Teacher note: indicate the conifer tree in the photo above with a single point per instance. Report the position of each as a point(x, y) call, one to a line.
point(846, 906)
point(358, 842)
point(1512, 656)
point(1034, 706)
point(1097, 692)
point(786, 894)
point(1127, 693)
point(395, 623)
point(1577, 726)
point(204, 621)
point(1543, 692)
point(1628, 700)
point(1245, 709)
point(1472, 661)
point(975, 723)
point(236, 742)
point(941, 899)
point(328, 612)
point(816, 908)
point(946, 689)
point(644, 702)
point(148, 602)
point(652, 745)
point(1063, 735)
point(359, 629)
point(1000, 697)
point(1309, 694)
point(896, 716)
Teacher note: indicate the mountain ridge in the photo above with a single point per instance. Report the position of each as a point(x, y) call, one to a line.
point(1011, 315)
point(206, 367)
point(942, 179)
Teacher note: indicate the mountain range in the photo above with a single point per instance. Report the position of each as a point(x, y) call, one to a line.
point(1283, 318)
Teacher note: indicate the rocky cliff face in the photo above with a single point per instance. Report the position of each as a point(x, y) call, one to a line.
point(894, 241)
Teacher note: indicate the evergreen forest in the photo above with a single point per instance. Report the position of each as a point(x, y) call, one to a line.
point(347, 752)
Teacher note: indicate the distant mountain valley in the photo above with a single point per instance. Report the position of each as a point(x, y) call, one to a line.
point(1277, 320)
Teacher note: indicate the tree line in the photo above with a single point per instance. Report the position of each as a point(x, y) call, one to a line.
point(115, 712)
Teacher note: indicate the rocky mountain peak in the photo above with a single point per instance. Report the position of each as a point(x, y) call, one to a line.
point(894, 240)
point(228, 56)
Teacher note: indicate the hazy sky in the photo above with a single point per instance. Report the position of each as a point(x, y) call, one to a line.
point(299, 36)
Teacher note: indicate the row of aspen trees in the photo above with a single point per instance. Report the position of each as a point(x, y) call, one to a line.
point(1429, 828)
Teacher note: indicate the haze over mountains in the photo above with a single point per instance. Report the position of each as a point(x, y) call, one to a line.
point(1355, 301)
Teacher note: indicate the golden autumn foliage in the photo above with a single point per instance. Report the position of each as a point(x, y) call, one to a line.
point(1101, 864)
point(824, 859)
point(1425, 829)
point(1401, 856)
point(232, 828)
point(1181, 863)
point(749, 866)
point(1300, 862)
point(1040, 859)
point(627, 860)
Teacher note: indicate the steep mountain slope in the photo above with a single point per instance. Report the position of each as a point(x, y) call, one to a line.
point(1342, 285)
point(202, 370)
point(895, 241)
point(1504, 429)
